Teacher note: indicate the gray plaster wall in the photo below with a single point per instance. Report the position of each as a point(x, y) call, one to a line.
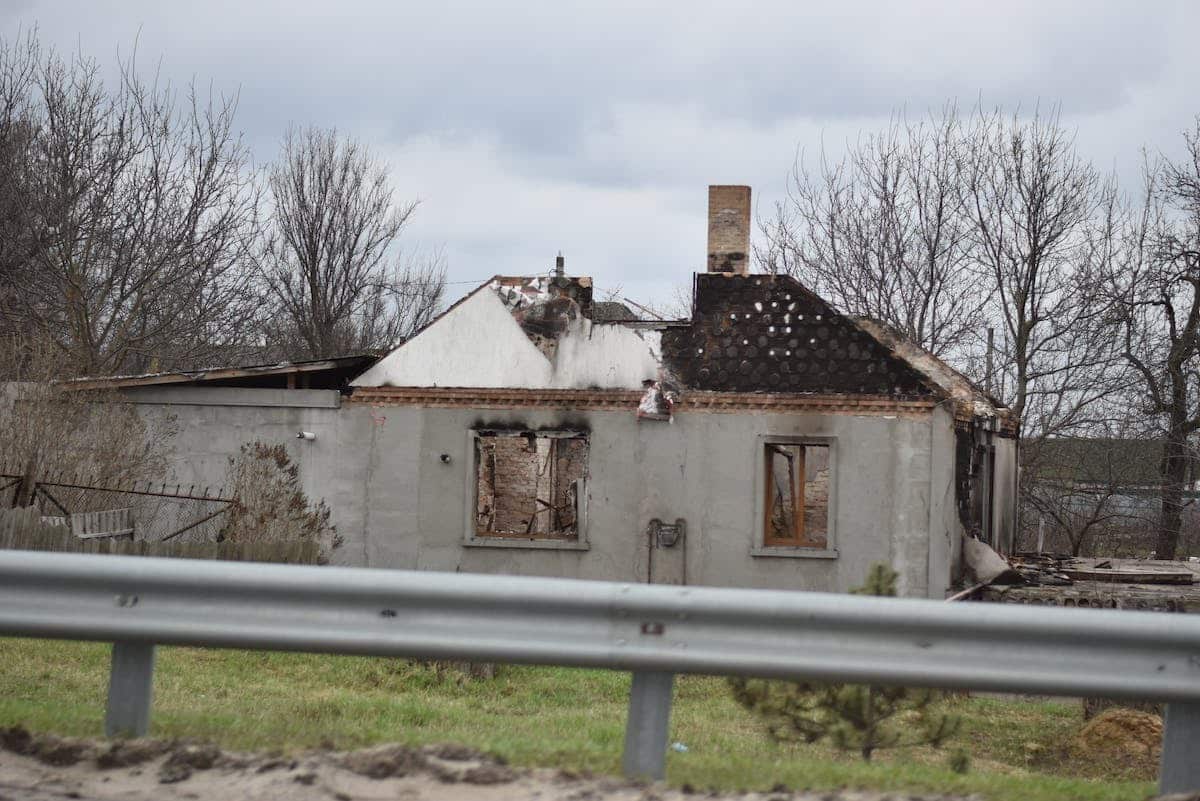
point(397, 504)
point(945, 527)
point(212, 423)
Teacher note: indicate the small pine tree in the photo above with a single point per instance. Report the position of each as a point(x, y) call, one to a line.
point(851, 716)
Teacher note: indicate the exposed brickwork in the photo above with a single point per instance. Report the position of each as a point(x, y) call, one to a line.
point(816, 496)
point(508, 484)
point(729, 229)
point(571, 456)
point(765, 332)
point(526, 484)
point(627, 400)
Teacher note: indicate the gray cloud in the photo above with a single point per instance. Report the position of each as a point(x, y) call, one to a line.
point(529, 127)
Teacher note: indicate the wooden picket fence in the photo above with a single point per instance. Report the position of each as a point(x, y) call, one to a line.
point(25, 529)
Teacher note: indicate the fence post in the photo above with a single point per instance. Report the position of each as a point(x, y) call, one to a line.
point(129, 690)
point(1179, 771)
point(647, 728)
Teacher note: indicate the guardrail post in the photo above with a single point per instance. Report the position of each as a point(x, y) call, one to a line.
point(1179, 771)
point(647, 727)
point(129, 690)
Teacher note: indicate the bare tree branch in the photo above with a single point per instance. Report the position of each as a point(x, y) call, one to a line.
point(141, 215)
point(329, 257)
point(1155, 293)
point(883, 233)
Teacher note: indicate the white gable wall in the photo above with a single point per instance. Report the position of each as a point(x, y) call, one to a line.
point(475, 344)
point(479, 344)
point(605, 355)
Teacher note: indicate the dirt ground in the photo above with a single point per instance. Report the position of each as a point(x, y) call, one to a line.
point(47, 768)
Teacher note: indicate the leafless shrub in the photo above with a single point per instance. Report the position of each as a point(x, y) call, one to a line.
point(269, 502)
point(86, 438)
point(1089, 495)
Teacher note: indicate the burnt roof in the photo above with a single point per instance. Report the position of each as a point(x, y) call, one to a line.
point(754, 334)
point(331, 373)
point(611, 311)
point(770, 333)
point(969, 396)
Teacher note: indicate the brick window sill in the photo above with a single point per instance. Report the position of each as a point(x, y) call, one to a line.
point(531, 544)
point(795, 552)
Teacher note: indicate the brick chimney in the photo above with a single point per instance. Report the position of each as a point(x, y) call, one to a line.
point(729, 229)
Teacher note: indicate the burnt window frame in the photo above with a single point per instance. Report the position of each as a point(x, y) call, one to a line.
point(761, 545)
point(473, 538)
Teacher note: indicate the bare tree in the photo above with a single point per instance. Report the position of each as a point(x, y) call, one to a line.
point(142, 214)
point(883, 233)
point(270, 502)
point(949, 228)
point(1156, 286)
point(18, 64)
point(1041, 235)
point(330, 260)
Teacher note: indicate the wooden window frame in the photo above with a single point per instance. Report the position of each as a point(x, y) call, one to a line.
point(764, 543)
point(796, 469)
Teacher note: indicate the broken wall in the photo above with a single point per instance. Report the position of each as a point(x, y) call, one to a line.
point(487, 341)
point(398, 504)
point(700, 468)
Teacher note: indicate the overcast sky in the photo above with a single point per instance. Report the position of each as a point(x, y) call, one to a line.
point(527, 128)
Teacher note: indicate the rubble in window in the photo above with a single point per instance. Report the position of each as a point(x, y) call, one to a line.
point(529, 484)
point(797, 495)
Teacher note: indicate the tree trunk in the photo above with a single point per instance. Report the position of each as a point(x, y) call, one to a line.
point(26, 488)
point(1174, 480)
point(868, 743)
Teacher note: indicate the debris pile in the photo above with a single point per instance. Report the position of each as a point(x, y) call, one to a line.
point(1091, 582)
point(1062, 570)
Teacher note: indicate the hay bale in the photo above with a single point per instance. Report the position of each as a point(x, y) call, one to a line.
point(1126, 737)
point(1094, 706)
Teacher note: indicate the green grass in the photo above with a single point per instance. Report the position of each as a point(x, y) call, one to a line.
point(548, 717)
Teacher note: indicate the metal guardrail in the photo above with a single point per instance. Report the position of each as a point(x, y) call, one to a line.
point(655, 631)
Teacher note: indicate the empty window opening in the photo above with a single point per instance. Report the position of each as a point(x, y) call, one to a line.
point(529, 484)
point(797, 502)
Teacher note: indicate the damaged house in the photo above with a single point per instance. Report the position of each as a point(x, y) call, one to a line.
point(767, 441)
